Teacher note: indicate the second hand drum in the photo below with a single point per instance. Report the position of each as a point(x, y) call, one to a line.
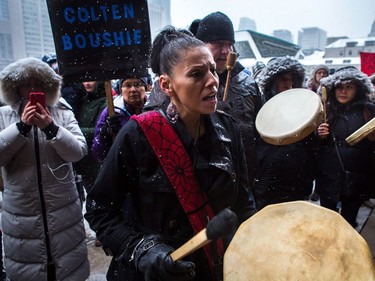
point(289, 116)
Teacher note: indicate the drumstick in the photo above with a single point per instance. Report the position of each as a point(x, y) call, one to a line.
point(231, 61)
point(108, 93)
point(324, 101)
point(220, 226)
point(361, 133)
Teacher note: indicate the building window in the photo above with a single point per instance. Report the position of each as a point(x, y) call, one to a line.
point(351, 44)
point(6, 50)
point(369, 43)
point(4, 10)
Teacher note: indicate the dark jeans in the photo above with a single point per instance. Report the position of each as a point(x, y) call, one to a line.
point(349, 208)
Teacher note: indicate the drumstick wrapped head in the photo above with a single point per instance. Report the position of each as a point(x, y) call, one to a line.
point(231, 60)
point(324, 94)
point(222, 225)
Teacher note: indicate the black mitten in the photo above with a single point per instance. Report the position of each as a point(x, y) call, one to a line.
point(114, 124)
point(111, 127)
point(151, 257)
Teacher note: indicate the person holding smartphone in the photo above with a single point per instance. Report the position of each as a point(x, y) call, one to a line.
point(42, 222)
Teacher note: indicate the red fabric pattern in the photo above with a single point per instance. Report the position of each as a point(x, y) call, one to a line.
point(179, 169)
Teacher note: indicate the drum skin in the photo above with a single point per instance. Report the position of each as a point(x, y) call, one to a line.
point(361, 133)
point(297, 241)
point(289, 116)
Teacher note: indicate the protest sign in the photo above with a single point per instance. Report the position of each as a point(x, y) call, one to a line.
point(100, 40)
point(368, 63)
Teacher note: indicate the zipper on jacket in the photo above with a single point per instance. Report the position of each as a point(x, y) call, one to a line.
point(51, 274)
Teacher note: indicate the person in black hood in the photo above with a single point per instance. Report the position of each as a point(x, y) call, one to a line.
point(243, 101)
point(286, 172)
point(346, 172)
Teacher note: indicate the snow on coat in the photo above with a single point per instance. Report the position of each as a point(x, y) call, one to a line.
point(345, 75)
point(277, 66)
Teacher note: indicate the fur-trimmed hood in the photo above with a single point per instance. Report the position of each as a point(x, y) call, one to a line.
point(279, 66)
point(345, 75)
point(12, 77)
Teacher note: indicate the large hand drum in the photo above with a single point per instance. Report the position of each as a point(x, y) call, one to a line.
point(289, 116)
point(362, 132)
point(297, 241)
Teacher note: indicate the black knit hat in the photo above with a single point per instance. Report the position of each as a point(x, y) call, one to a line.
point(194, 26)
point(215, 27)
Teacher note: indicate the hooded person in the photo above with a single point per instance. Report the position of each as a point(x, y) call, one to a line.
point(346, 172)
point(286, 172)
point(42, 222)
point(319, 72)
point(243, 97)
point(281, 68)
point(131, 101)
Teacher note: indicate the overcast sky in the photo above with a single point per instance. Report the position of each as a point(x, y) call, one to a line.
point(351, 18)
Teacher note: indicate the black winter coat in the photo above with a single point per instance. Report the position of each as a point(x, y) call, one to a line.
point(357, 159)
point(245, 101)
point(133, 197)
point(286, 172)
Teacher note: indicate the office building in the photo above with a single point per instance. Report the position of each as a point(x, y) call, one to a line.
point(372, 32)
point(247, 24)
point(313, 38)
point(160, 15)
point(283, 34)
point(25, 30)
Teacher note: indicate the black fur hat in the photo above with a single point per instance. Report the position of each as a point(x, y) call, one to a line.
point(215, 27)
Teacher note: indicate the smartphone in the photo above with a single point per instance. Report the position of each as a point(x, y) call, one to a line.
point(37, 97)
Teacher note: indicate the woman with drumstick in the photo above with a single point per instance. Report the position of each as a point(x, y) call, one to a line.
point(345, 173)
point(169, 170)
point(285, 172)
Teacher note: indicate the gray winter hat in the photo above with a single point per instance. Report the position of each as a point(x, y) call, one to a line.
point(348, 74)
point(320, 66)
point(15, 74)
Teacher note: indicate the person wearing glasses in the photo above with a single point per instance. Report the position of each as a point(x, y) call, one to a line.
point(130, 102)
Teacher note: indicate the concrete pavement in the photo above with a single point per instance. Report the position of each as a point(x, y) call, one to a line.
point(99, 261)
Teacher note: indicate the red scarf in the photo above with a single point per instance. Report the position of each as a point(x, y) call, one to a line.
point(178, 167)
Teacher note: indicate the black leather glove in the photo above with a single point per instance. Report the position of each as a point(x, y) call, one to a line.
point(151, 257)
point(111, 126)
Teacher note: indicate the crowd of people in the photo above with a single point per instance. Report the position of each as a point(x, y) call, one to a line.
point(167, 159)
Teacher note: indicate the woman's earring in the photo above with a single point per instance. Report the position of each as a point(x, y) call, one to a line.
point(172, 113)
